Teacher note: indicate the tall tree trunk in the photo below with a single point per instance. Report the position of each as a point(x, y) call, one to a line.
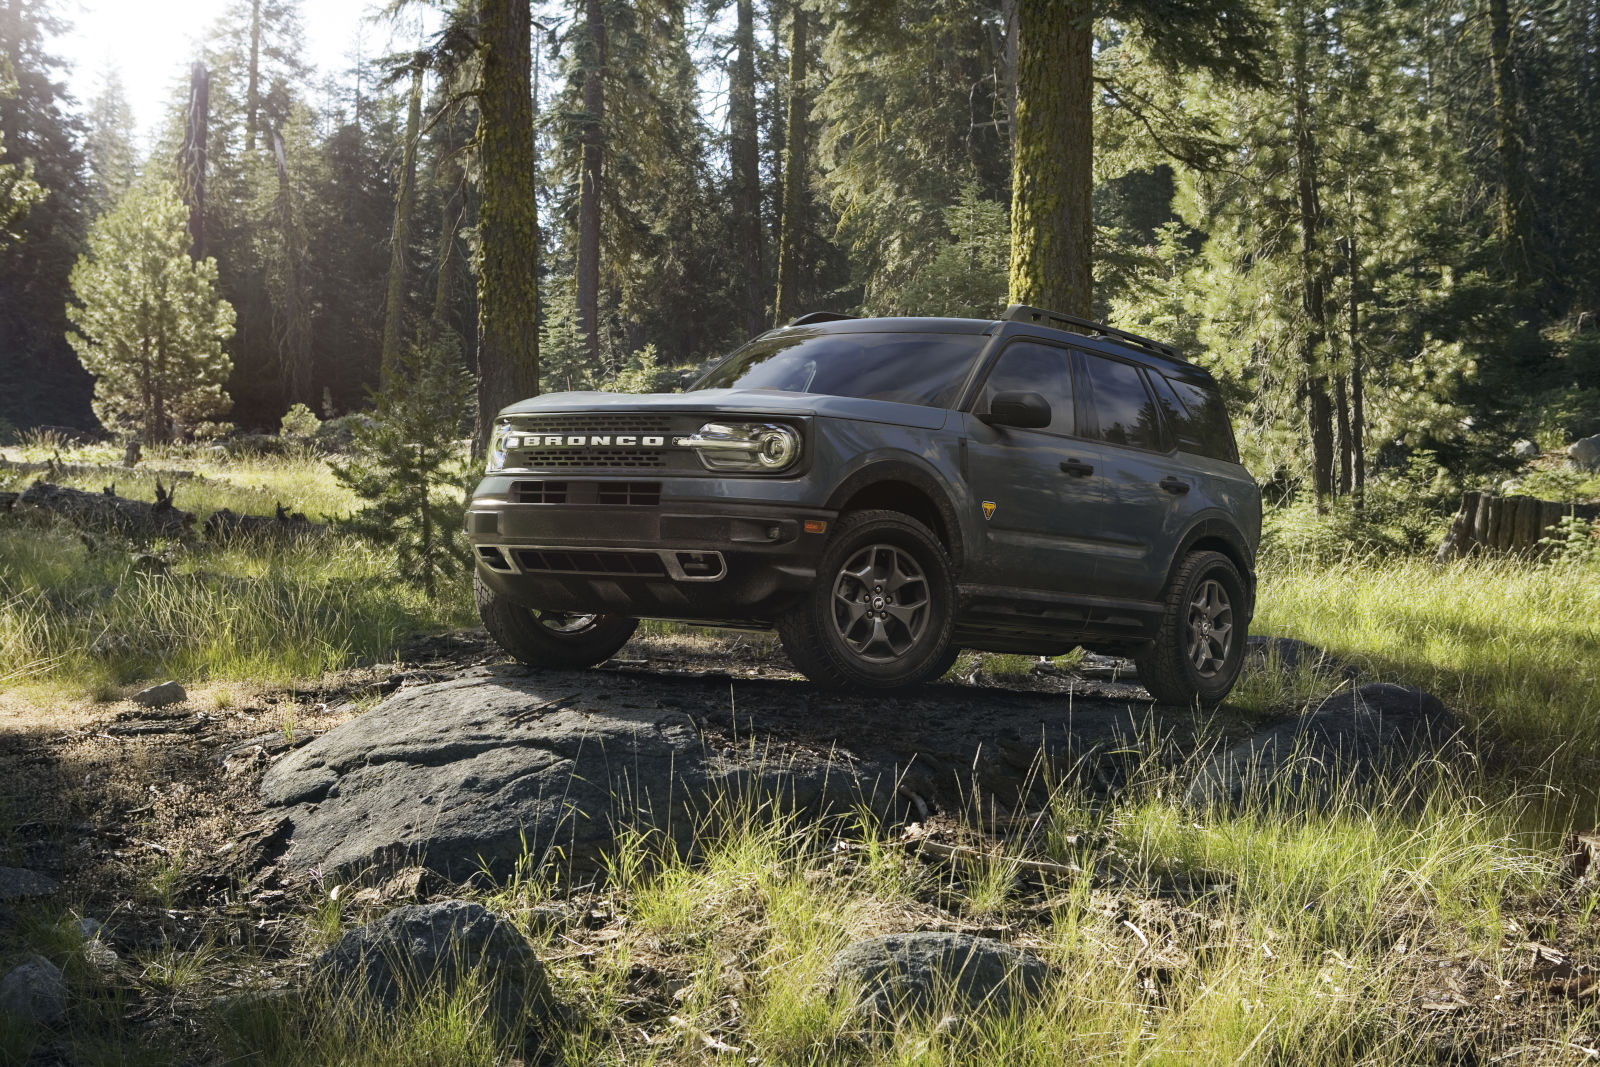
point(508, 213)
point(1512, 202)
point(400, 237)
point(294, 334)
point(450, 210)
point(1341, 426)
point(745, 153)
point(252, 85)
point(591, 175)
point(192, 166)
point(1052, 169)
point(1313, 283)
point(796, 171)
point(1008, 18)
point(1358, 414)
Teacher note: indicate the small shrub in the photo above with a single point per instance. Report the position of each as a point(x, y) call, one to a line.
point(299, 421)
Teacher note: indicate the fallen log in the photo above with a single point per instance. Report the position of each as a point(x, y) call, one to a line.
point(106, 511)
point(54, 469)
point(225, 525)
point(1512, 525)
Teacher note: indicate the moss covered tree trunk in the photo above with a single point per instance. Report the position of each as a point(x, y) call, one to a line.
point(591, 175)
point(508, 214)
point(745, 152)
point(1512, 201)
point(1313, 283)
point(400, 235)
point(795, 171)
point(1052, 169)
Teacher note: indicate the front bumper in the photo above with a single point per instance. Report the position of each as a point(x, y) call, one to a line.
point(698, 560)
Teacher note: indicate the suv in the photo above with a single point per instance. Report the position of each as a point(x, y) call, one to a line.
point(885, 492)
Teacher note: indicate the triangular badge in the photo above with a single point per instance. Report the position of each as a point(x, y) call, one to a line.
point(988, 510)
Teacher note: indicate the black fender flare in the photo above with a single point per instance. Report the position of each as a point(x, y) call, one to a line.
point(924, 480)
point(1216, 529)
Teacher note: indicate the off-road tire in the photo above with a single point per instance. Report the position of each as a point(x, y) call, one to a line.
point(1167, 668)
point(819, 643)
point(520, 632)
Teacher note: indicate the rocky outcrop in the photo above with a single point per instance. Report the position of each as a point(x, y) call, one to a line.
point(1585, 453)
point(34, 993)
point(1361, 744)
point(912, 974)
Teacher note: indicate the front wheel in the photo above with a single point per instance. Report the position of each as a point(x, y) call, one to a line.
point(553, 640)
point(881, 612)
point(1197, 655)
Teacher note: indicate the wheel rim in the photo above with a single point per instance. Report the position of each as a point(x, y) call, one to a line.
point(566, 623)
point(1210, 628)
point(880, 603)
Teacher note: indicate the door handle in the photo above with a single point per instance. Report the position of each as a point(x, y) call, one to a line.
point(1077, 468)
point(1174, 485)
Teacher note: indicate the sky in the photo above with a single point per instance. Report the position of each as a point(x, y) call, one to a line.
point(152, 42)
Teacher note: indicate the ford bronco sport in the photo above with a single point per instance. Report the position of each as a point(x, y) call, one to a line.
point(885, 492)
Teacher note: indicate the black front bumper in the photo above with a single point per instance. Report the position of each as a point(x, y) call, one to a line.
point(699, 561)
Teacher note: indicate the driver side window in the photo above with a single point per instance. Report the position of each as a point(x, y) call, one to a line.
point(1030, 367)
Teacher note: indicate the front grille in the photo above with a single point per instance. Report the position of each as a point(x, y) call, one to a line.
point(538, 492)
point(565, 561)
point(584, 423)
point(595, 457)
point(628, 494)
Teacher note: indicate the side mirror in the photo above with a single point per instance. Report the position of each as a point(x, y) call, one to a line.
point(1025, 411)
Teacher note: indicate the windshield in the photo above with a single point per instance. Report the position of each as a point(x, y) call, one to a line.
point(906, 368)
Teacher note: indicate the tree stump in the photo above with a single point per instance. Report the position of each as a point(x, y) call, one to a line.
point(1511, 525)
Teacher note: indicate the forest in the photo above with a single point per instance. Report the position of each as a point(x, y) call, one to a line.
point(1372, 221)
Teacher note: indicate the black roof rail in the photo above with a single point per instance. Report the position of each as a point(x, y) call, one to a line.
point(1041, 317)
point(814, 317)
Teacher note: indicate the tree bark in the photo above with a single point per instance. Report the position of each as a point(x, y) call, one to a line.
point(1313, 284)
point(591, 175)
point(1512, 202)
point(1052, 222)
point(796, 172)
point(745, 156)
point(1358, 413)
point(252, 88)
point(193, 164)
point(400, 236)
point(294, 335)
point(508, 214)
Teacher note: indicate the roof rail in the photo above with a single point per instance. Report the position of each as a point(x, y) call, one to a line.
point(814, 317)
point(1041, 317)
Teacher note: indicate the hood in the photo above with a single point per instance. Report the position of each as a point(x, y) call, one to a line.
point(740, 402)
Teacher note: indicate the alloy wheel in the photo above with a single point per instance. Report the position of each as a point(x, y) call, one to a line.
point(880, 603)
point(1210, 628)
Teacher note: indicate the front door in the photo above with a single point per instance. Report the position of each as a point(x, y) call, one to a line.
point(1038, 491)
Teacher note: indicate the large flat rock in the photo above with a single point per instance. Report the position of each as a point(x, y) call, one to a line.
point(470, 773)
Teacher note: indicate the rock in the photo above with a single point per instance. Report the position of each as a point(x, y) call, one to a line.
point(1525, 450)
point(88, 929)
point(17, 883)
point(908, 974)
point(414, 947)
point(101, 956)
point(1510, 487)
point(34, 993)
point(1585, 454)
point(159, 696)
point(1351, 744)
point(472, 773)
point(1292, 654)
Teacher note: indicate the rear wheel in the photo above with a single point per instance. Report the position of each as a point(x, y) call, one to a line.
point(881, 612)
point(553, 640)
point(1200, 648)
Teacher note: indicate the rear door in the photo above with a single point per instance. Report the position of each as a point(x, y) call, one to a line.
point(1149, 490)
point(1038, 494)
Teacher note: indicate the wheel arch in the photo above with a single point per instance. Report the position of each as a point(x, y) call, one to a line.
point(903, 487)
point(1218, 535)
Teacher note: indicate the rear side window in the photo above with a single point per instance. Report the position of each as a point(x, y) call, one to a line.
point(1199, 419)
point(1026, 367)
point(1123, 407)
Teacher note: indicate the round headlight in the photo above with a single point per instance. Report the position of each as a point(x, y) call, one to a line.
point(778, 447)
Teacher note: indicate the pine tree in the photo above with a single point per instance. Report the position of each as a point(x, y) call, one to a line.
point(108, 144)
point(150, 327)
point(18, 190)
point(408, 464)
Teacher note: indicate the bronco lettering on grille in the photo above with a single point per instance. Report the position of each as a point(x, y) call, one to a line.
point(556, 440)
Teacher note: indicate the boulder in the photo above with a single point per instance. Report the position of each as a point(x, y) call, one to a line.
point(471, 774)
point(17, 883)
point(1525, 450)
point(159, 696)
point(910, 974)
point(1358, 743)
point(435, 947)
point(1585, 453)
point(1292, 654)
point(34, 993)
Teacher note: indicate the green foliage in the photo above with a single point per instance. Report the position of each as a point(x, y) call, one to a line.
point(408, 466)
point(299, 421)
point(968, 276)
point(642, 373)
point(1574, 542)
point(150, 324)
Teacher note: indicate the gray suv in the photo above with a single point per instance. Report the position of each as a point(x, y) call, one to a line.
point(885, 492)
